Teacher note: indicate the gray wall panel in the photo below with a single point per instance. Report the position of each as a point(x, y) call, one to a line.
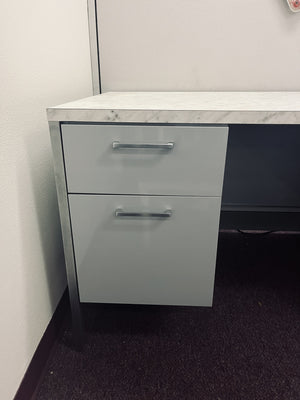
point(263, 166)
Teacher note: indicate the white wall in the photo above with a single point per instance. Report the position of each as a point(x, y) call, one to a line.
point(44, 60)
point(179, 45)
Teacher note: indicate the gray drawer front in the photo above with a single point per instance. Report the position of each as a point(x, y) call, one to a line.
point(145, 260)
point(194, 166)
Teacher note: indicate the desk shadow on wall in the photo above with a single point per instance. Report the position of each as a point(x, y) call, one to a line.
point(43, 271)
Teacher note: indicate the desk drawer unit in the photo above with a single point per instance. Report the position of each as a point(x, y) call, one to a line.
point(156, 160)
point(147, 250)
point(144, 207)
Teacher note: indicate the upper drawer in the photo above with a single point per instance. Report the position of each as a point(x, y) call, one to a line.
point(178, 160)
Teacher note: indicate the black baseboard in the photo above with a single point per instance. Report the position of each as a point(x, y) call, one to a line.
point(41, 355)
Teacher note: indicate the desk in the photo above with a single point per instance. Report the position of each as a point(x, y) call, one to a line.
point(151, 115)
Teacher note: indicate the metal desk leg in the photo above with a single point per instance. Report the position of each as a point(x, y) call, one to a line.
point(59, 171)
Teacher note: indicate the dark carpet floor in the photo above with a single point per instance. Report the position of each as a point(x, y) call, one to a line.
point(247, 347)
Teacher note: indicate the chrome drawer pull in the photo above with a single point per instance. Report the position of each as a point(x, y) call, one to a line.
point(120, 213)
point(162, 146)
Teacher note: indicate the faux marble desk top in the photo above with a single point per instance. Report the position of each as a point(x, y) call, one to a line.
point(183, 107)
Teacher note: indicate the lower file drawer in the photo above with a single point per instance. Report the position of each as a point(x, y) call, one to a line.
point(145, 249)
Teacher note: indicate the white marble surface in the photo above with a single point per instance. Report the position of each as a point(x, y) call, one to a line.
point(183, 107)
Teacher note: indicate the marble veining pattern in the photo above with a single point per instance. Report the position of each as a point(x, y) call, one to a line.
point(183, 107)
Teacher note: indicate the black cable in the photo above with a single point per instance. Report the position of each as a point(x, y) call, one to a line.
point(255, 233)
